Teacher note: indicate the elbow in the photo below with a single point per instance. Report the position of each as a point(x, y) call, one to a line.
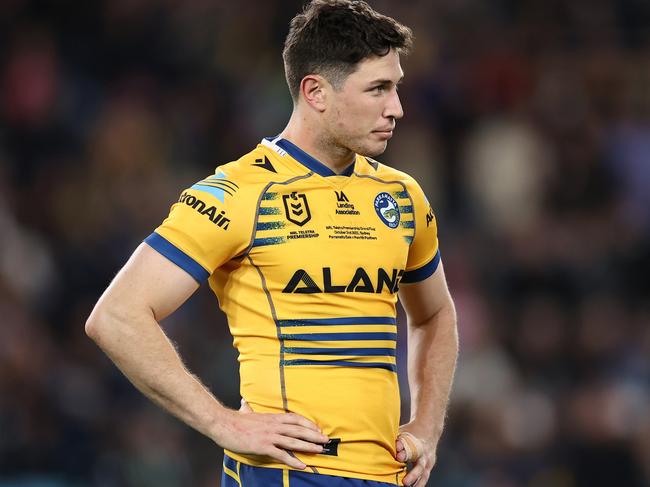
point(112, 321)
point(104, 320)
point(95, 324)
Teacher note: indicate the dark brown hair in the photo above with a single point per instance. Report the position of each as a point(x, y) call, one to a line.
point(330, 37)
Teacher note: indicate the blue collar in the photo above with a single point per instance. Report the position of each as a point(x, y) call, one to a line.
point(310, 162)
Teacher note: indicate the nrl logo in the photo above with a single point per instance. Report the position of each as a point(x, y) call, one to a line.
point(296, 208)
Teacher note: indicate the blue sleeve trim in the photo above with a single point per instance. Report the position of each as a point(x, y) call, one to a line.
point(423, 272)
point(178, 257)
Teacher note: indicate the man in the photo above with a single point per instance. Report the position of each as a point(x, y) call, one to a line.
point(305, 241)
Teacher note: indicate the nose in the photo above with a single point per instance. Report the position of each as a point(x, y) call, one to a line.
point(393, 107)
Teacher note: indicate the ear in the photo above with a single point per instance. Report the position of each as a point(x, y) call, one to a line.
point(313, 89)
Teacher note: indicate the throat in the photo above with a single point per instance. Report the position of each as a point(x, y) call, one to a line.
point(323, 161)
point(338, 159)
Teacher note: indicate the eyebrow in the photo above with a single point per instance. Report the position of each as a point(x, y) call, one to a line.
point(386, 81)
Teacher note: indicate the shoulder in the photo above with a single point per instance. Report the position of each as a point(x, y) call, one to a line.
point(241, 181)
point(388, 173)
point(251, 169)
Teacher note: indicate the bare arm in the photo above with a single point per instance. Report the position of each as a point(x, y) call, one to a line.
point(432, 354)
point(124, 323)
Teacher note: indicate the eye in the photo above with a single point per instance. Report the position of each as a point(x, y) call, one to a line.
point(379, 89)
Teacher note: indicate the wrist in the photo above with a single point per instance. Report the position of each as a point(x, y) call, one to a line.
point(425, 429)
point(218, 423)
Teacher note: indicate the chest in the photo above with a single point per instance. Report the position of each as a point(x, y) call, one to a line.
point(314, 236)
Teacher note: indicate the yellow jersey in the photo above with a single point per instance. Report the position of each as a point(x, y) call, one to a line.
point(306, 265)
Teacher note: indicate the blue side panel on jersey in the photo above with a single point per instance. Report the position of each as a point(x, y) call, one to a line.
point(362, 320)
point(423, 272)
point(178, 257)
point(341, 363)
point(326, 337)
point(360, 352)
point(216, 192)
point(406, 209)
point(408, 224)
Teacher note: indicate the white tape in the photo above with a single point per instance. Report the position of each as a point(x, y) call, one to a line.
point(412, 446)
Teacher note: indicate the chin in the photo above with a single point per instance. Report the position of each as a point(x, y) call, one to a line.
point(373, 150)
point(365, 146)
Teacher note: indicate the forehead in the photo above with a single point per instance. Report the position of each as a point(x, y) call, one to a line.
point(378, 68)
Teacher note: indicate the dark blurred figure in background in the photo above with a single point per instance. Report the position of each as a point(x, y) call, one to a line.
point(528, 126)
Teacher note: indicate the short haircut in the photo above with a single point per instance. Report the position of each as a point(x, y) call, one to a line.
point(330, 37)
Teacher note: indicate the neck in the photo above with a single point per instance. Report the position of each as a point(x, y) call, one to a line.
point(309, 138)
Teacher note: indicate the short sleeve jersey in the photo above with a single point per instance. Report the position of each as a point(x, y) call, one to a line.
point(306, 265)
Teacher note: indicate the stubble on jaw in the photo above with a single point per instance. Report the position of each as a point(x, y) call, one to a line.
point(337, 144)
point(327, 144)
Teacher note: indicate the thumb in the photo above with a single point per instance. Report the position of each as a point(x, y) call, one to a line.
point(245, 408)
point(412, 446)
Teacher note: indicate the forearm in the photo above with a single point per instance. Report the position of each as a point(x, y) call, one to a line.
point(433, 351)
point(140, 349)
point(125, 325)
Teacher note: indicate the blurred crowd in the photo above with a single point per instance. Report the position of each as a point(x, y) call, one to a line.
point(527, 124)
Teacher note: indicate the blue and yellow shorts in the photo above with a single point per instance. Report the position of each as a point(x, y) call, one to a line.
point(237, 474)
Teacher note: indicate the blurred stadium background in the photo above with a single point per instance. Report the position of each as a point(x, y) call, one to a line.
point(528, 125)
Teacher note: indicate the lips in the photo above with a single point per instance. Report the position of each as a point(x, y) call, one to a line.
point(388, 133)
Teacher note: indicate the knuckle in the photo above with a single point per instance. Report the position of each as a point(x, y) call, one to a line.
point(267, 437)
point(292, 445)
